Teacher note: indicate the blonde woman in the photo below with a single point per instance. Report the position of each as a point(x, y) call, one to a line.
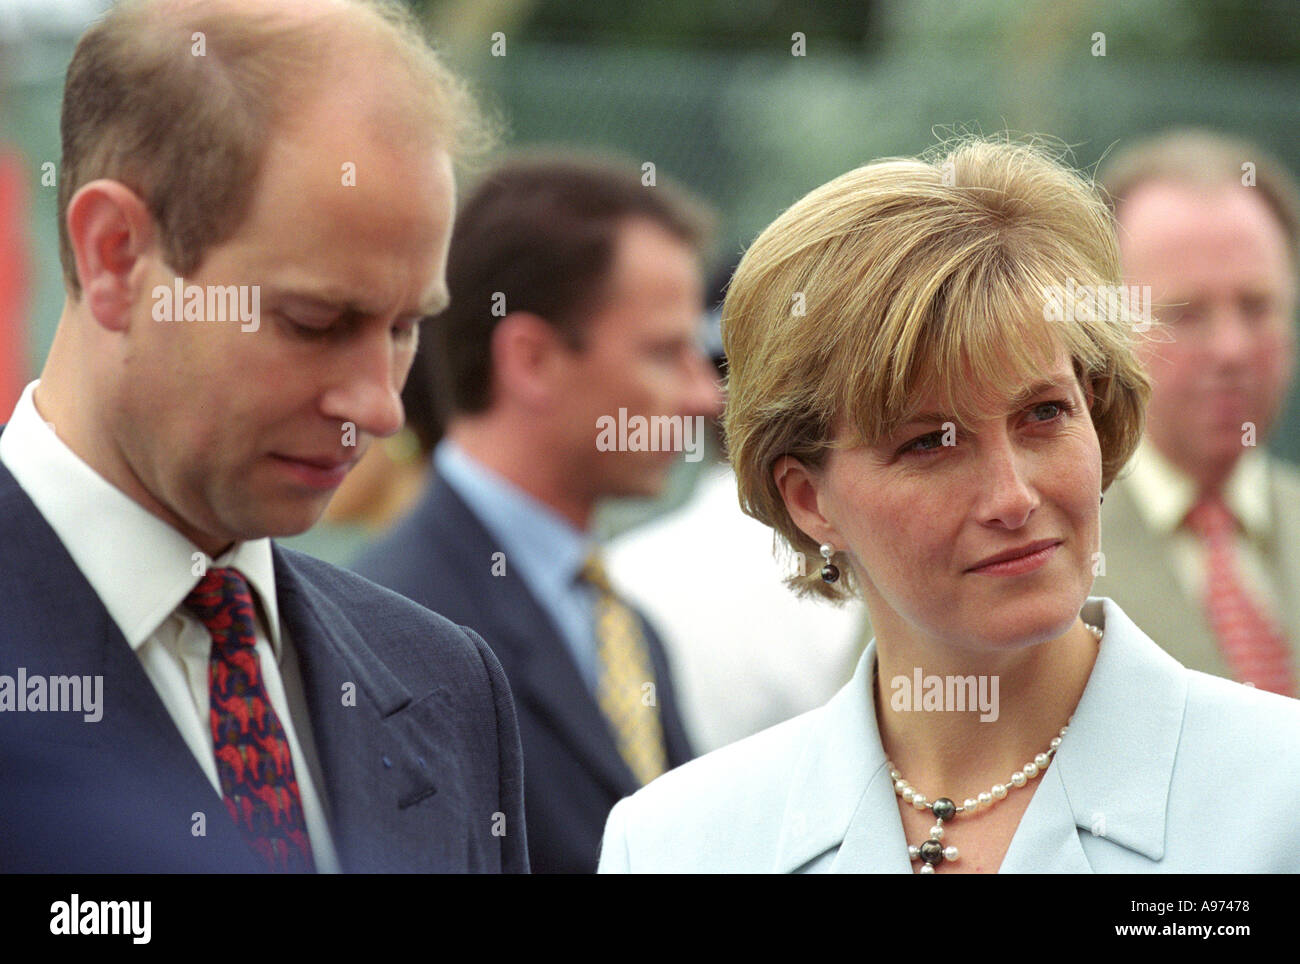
point(931, 385)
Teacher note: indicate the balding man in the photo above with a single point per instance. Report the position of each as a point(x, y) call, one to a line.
point(255, 206)
point(1202, 539)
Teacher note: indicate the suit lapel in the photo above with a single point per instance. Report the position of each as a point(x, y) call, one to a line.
point(1112, 774)
point(1284, 548)
point(1139, 576)
point(1047, 839)
point(539, 665)
point(841, 804)
point(375, 760)
point(676, 742)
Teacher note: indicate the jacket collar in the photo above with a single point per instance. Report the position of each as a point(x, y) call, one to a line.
point(541, 671)
point(1110, 777)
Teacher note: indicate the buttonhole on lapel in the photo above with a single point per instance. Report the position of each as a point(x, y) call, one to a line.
point(417, 797)
point(397, 708)
point(388, 763)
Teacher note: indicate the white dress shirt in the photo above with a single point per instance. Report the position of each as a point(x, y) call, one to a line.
point(142, 570)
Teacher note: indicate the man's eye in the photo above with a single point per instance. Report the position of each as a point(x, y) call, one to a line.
point(301, 327)
point(1255, 307)
point(1186, 315)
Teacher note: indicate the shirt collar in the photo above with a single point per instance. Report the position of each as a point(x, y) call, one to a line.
point(1165, 494)
point(140, 567)
point(548, 550)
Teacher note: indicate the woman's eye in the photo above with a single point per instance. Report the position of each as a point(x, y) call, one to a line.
point(930, 442)
point(1053, 410)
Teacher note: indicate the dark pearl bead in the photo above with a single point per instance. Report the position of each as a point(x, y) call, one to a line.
point(932, 852)
point(943, 809)
point(830, 572)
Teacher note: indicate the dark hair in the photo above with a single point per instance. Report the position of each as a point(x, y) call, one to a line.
point(422, 396)
point(539, 232)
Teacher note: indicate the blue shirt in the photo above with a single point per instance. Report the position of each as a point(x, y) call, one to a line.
point(541, 547)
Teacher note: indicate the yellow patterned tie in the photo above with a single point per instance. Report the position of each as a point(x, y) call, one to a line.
point(626, 688)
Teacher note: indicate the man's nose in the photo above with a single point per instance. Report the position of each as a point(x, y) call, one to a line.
point(704, 395)
point(369, 390)
point(1230, 339)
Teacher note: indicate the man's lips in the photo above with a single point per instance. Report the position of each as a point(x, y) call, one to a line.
point(317, 471)
point(1018, 553)
point(320, 461)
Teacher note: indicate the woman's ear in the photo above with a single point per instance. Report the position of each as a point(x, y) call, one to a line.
point(803, 491)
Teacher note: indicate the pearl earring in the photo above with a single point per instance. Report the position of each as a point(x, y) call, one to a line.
point(830, 571)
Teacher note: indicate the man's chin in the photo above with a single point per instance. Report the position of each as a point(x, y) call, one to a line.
point(645, 487)
point(289, 521)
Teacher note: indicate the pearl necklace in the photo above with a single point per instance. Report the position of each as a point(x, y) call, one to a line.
point(932, 853)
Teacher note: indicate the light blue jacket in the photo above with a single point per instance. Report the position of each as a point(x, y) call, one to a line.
point(1164, 770)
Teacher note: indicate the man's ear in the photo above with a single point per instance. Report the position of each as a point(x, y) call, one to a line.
point(110, 227)
point(527, 355)
point(802, 491)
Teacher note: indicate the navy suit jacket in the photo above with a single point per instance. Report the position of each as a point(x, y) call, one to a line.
point(442, 556)
point(422, 773)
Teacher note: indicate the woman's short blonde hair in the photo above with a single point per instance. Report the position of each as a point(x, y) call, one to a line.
point(961, 273)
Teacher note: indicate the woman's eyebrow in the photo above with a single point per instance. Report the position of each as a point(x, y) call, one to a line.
point(1059, 383)
point(1038, 388)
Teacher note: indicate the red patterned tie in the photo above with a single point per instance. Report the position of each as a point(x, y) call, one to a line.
point(253, 759)
point(1253, 645)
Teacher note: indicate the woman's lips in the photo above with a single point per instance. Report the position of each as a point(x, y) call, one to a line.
point(1030, 560)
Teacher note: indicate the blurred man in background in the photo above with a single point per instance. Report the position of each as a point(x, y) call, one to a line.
point(1202, 540)
point(576, 298)
point(208, 700)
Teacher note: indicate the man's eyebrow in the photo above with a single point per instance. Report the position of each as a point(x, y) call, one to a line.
point(433, 305)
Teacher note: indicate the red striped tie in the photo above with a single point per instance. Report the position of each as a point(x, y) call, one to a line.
point(1255, 648)
point(253, 760)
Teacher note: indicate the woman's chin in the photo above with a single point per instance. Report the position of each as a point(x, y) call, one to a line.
point(1030, 624)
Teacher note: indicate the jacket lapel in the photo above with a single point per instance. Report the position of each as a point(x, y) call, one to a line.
point(375, 763)
point(841, 806)
point(1284, 548)
point(1111, 775)
point(537, 662)
point(1140, 578)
